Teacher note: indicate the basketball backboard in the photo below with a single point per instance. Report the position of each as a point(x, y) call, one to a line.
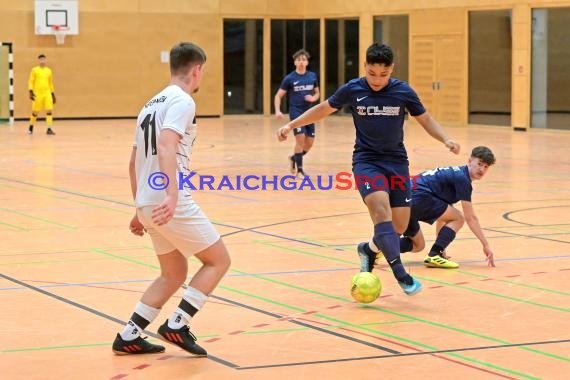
point(59, 13)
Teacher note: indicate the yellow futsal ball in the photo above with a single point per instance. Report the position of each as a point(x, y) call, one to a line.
point(365, 287)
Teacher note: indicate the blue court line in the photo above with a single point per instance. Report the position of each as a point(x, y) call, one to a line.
point(279, 273)
point(404, 255)
point(228, 275)
point(226, 195)
point(519, 259)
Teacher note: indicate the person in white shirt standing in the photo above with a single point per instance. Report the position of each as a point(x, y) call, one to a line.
point(177, 226)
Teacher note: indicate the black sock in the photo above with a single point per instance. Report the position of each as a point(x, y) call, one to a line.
point(406, 244)
point(444, 238)
point(298, 157)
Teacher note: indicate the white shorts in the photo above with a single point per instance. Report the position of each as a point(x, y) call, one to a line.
point(189, 230)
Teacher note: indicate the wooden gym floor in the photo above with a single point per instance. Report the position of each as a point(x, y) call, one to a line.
point(71, 273)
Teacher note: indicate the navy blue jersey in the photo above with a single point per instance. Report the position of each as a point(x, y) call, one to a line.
point(451, 184)
point(378, 117)
point(297, 87)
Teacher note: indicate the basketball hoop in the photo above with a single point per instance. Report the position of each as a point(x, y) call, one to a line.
point(59, 33)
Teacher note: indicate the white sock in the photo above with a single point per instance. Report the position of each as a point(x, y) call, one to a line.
point(180, 317)
point(147, 313)
point(131, 331)
point(373, 246)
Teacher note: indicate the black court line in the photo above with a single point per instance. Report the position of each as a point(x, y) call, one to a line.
point(299, 323)
point(401, 355)
point(508, 217)
point(100, 314)
point(540, 237)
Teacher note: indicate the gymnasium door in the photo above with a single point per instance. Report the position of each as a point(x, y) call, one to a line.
point(437, 73)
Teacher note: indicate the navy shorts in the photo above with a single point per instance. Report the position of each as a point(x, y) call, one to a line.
point(308, 130)
point(425, 208)
point(391, 177)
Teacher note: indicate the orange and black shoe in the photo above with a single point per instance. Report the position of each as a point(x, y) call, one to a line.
point(136, 346)
point(183, 338)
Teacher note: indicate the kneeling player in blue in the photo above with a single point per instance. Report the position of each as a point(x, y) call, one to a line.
point(378, 104)
point(433, 195)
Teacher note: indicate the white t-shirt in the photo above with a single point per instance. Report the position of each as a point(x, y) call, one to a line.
point(174, 109)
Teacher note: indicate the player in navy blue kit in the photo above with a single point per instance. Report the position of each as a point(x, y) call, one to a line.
point(378, 104)
point(302, 86)
point(433, 197)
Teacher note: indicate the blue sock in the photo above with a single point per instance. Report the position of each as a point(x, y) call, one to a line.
point(406, 244)
point(444, 238)
point(386, 238)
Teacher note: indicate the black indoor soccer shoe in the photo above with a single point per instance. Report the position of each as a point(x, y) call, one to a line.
point(291, 162)
point(366, 259)
point(183, 338)
point(136, 346)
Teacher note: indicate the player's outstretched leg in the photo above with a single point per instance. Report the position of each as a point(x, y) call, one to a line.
point(436, 257)
point(291, 163)
point(176, 331)
point(386, 240)
point(367, 257)
point(215, 263)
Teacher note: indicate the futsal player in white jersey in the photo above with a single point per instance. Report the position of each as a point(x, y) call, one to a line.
point(177, 226)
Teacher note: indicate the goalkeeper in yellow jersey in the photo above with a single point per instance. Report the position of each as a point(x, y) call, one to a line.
point(42, 93)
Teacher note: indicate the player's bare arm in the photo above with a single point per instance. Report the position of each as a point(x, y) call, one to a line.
point(167, 146)
point(475, 227)
point(435, 130)
point(277, 103)
point(132, 172)
point(310, 116)
point(135, 226)
point(315, 97)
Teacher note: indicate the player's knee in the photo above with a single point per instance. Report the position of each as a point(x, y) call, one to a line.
point(216, 256)
point(460, 220)
point(174, 278)
point(400, 228)
point(225, 262)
